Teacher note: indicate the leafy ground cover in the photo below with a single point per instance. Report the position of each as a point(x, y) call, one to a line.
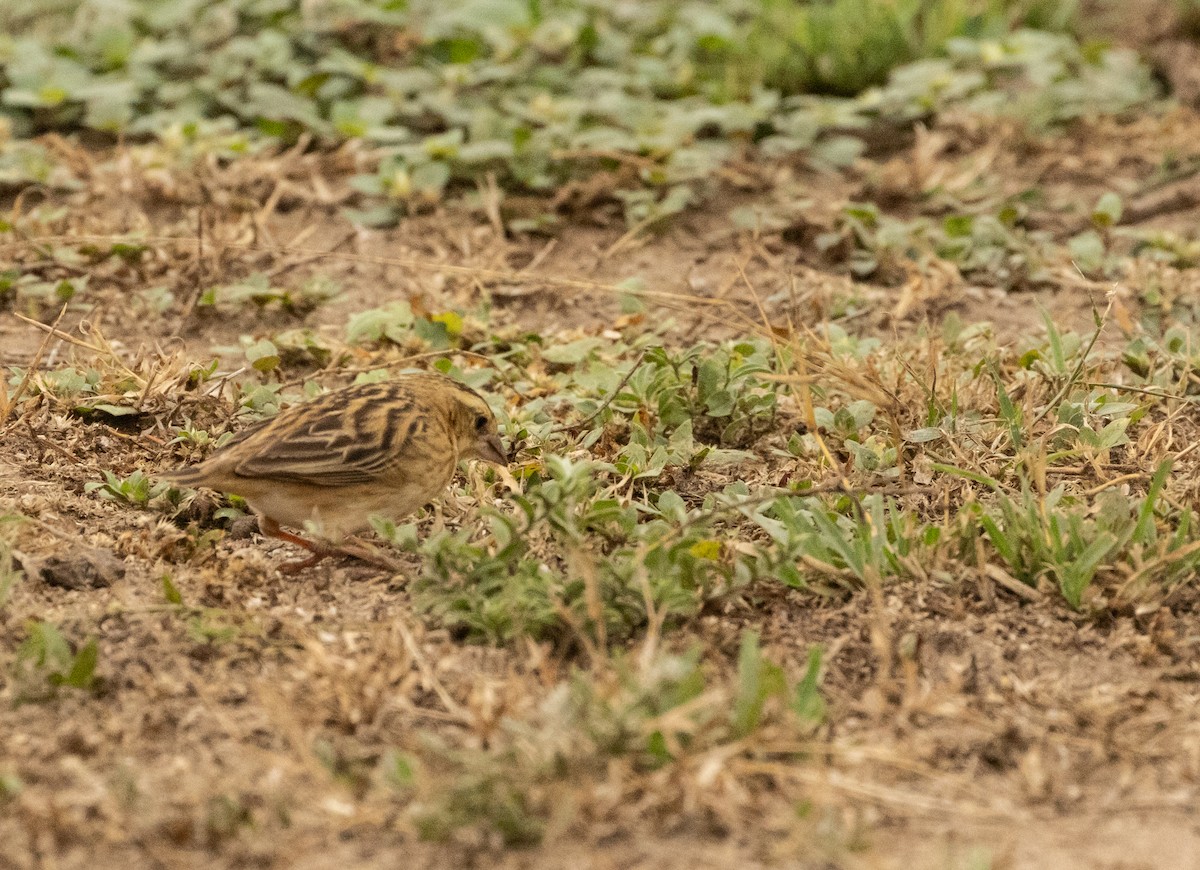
point(852, 514)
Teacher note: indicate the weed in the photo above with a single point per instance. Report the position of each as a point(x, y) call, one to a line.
point(845, 46)
point(396, 323)
point(204, 625)
point(487, 797)
point(573, 561)
point(681, 85)
point(719, 391)
point(1070, 544)
point(45, 662)
point(11, 786)
point(136, 489)
point(256, 289)
point(662, 712)
point(876, 541)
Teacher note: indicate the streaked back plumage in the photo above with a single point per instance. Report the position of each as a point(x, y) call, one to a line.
point(351, 436)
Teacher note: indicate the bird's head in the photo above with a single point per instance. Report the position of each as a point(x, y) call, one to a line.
point(476, 428)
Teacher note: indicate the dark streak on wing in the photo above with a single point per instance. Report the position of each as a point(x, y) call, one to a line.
point(346, 439)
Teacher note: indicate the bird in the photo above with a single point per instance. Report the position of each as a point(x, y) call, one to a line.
point(384, 448)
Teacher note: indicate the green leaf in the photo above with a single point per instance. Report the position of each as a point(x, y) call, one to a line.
point(758, 680)
point(807, 702)
point(1087, 250)
point(720, 404)
point(923, 436)
point(431, 178)
point(710, 378)
point(958, 226)
point(111, 410)
point(1107, 212)
point(171, 591)
point(394, 322)
point(573, 352)
point(706, 549)
point(263, 355)
point(83, 667)
point(451, 320)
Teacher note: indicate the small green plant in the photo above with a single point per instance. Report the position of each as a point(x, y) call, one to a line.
point(1047, 539)
point(573, 561)
point(205, 625)
point(644, 208)
point(10, 786)
point(872, 541)
point(46, 662)
point(1071, 544)
point(850, 426)
point(720, 391)
point(630, 713)
point(396, 323)
point(224, 816)
point(759, 680)
point(400, 186)
point(483, 795)
point(845, 46)
point(136, 489)
point(192, 436)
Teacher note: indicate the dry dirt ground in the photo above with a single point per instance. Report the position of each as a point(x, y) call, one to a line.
point(1003, 734)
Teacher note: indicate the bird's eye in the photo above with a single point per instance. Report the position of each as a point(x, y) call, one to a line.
point(481, 423)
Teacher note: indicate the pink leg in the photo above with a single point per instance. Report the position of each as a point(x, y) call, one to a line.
point(320, 551)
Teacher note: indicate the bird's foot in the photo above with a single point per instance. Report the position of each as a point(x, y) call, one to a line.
point(319, 552)
point(366, 553)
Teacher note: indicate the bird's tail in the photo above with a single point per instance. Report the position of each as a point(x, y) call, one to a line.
point(192, 476)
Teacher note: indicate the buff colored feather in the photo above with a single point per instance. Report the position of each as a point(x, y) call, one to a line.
point(385, 448)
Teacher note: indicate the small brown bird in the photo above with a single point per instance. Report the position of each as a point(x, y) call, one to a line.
point(385, 448)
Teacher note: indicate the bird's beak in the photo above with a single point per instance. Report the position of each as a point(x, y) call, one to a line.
point(491, 449)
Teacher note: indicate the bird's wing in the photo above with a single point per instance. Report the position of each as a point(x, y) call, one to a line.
point(334, 445)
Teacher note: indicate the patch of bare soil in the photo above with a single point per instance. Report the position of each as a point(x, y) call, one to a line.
point(242, 727)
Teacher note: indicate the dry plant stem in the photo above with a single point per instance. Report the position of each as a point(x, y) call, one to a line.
point(611, 398)
point(59, 334)
point(33, 364)
point(310, 258)
point(1077, 373)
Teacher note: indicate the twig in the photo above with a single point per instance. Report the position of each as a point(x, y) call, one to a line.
point(58, 333)
point(1011, 583)
point(540, 256)
point(611, 398)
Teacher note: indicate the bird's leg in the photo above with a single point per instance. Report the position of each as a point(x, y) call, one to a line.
point(319, 552)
